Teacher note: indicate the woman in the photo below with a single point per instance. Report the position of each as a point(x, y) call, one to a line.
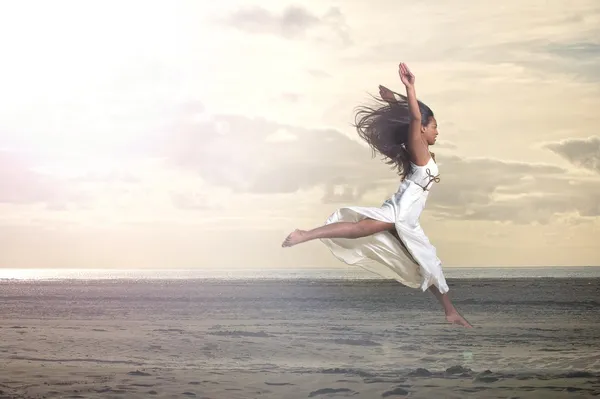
point(389, 240)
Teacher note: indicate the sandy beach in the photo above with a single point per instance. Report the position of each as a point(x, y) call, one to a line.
point(297, 339)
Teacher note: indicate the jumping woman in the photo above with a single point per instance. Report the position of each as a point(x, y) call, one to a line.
point(389, 240)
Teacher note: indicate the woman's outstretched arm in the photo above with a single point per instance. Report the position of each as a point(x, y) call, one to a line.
point(417, 147)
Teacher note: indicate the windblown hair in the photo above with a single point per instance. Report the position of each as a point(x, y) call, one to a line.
point(385, 129)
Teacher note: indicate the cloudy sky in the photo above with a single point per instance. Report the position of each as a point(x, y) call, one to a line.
point(198, 134)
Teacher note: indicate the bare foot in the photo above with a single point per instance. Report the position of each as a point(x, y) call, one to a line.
point(456, 318)
point(295, 237)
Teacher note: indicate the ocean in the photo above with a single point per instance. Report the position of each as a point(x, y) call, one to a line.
point(303, 333)
point(350, 273)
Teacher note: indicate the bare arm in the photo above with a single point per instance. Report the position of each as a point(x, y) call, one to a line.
point(416, 145)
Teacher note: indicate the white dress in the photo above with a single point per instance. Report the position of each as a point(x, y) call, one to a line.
point(413, 261)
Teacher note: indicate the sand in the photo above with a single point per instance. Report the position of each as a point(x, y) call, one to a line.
point(292, 340)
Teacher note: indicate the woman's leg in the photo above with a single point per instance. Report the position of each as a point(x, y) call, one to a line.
point(362, 228)
point(452, 315)
point(365, 228)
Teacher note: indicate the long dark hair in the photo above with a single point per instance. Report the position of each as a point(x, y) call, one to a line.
point(385, 129)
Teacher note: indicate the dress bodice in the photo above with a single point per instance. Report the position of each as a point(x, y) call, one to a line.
point(424, 176)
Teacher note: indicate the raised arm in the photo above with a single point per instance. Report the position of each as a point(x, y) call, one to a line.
point(417, 146)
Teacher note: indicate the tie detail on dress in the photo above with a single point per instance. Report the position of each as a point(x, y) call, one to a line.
point(432, 178)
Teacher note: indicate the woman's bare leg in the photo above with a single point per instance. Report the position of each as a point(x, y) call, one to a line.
point(365, 228)
point(452, 315)
point(362, 228)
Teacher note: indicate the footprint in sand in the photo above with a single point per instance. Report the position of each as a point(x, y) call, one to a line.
point(329, 391)
point(395, 392)
point(139, 373)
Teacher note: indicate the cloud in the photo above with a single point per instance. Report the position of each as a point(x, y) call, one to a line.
point(344, 192)
point(579, 59)
point(293, 22)
point(291, 97)
point(584, 153)
point(495, 190)
point(445, 144)
point(20, 184)
point(561, 40)
point(476, 179)
point(190, 201)
point(258, 156)
point(255, 155)
point(575, 50)
point(118, 176)
point(319, 74)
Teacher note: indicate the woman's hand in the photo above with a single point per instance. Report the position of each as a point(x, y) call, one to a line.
point(406, 76)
